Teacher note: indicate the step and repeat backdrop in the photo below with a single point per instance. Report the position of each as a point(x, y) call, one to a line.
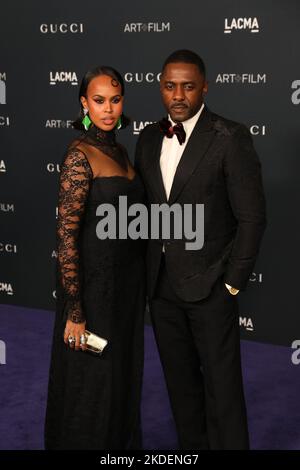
point(251, 50)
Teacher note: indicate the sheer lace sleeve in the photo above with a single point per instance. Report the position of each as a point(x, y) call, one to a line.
point(75, 178)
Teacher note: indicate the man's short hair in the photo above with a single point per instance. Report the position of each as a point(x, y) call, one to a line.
point(187, 57)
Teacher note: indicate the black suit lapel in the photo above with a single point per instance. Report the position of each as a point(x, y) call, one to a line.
point(154, 173)
point(194, 152)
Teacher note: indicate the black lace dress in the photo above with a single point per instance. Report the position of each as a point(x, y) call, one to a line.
point(94, 401)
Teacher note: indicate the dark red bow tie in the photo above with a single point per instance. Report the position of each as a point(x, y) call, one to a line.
point(169, 130)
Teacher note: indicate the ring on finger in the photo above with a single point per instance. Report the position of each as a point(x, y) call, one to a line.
point(83, 339)
point(71, 339)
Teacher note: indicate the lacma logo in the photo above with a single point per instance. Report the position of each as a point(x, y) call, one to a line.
point(247, 323)
point(7, 288)
point(296, 94)
point(244, 78)
point(147, 27)
point(63, 77)
point(2, 166)
point(138, 126)
point(251, 24)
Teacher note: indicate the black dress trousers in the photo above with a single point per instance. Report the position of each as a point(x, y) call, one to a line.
point(199, 347)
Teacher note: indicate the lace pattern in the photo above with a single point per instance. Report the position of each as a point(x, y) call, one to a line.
point(107, 144)
point(75, 179)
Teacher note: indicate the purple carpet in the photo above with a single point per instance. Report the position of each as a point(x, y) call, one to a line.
point(272, 385)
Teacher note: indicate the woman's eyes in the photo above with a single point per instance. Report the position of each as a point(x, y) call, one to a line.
point(114, 101)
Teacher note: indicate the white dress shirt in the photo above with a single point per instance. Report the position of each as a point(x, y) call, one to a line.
point(171, 151)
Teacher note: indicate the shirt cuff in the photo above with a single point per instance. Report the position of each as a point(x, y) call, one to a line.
point(231, 289)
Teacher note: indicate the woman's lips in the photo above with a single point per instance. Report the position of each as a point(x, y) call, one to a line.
point(108, 121)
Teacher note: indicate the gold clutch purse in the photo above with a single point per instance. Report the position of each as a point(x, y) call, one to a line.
point(94, 343)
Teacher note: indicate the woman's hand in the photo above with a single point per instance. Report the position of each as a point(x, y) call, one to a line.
point(75, 330)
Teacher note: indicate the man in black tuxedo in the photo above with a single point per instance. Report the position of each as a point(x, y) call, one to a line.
point(197, 157)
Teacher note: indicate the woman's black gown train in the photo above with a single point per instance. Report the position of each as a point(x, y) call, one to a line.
point(94, 401)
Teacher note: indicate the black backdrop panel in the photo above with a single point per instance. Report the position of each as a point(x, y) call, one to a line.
point(250, 49)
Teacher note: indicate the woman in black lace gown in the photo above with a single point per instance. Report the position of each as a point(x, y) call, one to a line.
point(94, 401)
